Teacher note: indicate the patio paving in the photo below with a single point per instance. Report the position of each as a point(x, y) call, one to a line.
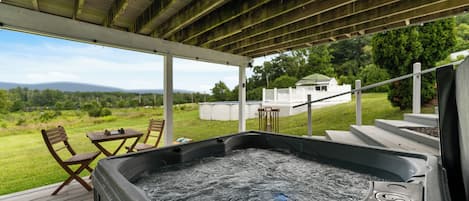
point(72, 192)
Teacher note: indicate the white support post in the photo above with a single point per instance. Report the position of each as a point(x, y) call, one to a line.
point(263, 95)
point(290, 94)
point(168, 100)
point(358, 107)
point(275, 95)
point(310, 118)
point(416, 94)
point(242, 99)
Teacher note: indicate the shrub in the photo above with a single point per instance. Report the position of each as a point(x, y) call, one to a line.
point(371, 74)
point(99, 112)
point(48, 115)
point(20, 122)
point(284, 81)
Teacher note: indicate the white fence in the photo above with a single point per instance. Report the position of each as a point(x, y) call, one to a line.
point(299, 94)
point(227, 111)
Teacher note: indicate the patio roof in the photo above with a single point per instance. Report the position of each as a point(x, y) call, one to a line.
point(251, 28)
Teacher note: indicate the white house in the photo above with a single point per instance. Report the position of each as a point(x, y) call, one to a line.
point(318, 85)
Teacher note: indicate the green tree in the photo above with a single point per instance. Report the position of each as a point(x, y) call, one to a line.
point(371, 74)
point(397, 50)
point(284, 81)
point(220, 92)
point(4, 101)
point(319, 61)
point(348, 56)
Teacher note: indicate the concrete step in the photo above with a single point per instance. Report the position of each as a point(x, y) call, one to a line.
point(427, 119)
point(397, 127)
point(387, 139)
point(344, 137)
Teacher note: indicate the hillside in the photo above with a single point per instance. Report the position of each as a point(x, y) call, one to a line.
point(80, 87)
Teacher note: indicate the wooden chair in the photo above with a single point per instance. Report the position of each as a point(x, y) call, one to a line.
point(155, 126)
point(57, 136)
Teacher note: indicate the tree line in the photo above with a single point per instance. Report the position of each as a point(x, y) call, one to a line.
point(24, 99)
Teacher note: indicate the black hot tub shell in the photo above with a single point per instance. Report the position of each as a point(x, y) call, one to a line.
point(414, 172)
point(415, 176)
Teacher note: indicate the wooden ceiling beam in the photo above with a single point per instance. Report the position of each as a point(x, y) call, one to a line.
point(265, 12)
point(310, 14)
point(35, 5)
point(372, 29)
point(187, 16)
point(78, 8)
point(227, 12)
point(352, 20)
point(158, 10)
point(117, 9)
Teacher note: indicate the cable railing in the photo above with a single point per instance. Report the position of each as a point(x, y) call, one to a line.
point(416, 103)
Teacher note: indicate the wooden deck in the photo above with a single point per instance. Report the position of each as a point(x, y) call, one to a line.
point(72, 192)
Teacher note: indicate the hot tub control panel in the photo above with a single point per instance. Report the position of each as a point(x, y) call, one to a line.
point(395, 191)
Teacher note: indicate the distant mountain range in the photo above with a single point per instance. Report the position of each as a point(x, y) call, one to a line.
point(80, 87)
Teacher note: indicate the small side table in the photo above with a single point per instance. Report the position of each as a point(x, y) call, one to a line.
point(98, 137)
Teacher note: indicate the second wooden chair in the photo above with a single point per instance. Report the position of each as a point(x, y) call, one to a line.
point(155, 130)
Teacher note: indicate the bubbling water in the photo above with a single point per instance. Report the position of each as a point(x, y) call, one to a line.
point(255, 174)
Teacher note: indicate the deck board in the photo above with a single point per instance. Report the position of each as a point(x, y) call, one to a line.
point(72, 192)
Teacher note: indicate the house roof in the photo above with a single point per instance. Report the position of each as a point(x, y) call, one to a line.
point(313, 79)
point(251, 28)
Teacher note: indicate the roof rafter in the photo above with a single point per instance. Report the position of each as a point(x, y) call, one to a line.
point(422, 15)
point(276, 28)
point(118, 7)
point(78, 8)
point(35, 4)
point(156, 13)
point(227, 12)
point(265, 12)
point(351, 20)
point(187, 16)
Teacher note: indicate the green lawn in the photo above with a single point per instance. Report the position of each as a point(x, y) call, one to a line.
point(26, 162)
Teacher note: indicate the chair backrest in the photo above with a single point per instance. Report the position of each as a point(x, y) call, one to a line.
point(54, 136)
point(155, 129)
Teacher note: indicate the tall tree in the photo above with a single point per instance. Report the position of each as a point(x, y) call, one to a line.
point(350, 55)
point(221, 92)
point(319, 61)
point(397, 50)
point(4, 101)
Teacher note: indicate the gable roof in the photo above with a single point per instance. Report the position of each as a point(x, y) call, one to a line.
point(313, 79)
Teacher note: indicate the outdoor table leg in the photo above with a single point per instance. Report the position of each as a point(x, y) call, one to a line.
point(131, 148)
point(102, 149)
point(119, 147)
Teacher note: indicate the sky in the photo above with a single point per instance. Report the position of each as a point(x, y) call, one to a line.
point(26, 58)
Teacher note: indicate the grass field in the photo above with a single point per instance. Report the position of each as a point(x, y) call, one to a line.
point(26, 163)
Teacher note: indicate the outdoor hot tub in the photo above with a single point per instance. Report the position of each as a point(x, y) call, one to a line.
point(409, 176)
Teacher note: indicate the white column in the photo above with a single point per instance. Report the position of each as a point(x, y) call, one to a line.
point(242, 99)
point(290, 94)
point(416, 89)
point(263, 95)
point(358, 99)
point(168, 100)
